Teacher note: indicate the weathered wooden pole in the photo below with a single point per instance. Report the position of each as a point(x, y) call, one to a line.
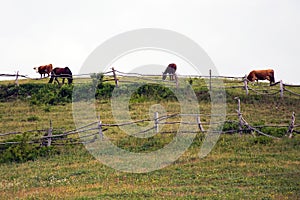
point(210, 80)
point(292, 125)
point(115, 76)
point(239, 115)
point(17, 78)
point(176, 80)
point(156, 122)
point(281, 88)
point(246, 85)
point(199, 124)
point(49, 138)
point(100, 127)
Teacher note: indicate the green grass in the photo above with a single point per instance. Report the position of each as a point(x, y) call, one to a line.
point(235, 169)
point(239, 166)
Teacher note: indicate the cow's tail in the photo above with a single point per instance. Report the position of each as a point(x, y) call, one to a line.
point(272, 78)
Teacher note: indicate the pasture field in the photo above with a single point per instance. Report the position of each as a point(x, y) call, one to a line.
point(239, 167)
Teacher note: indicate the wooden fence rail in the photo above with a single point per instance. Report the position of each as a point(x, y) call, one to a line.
point(115, 73)
point(96, 130)
point(49, 137)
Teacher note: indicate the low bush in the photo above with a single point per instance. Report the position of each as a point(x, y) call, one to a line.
point(20, 149)
point(275, 131)
point(230, 126)
point(22, 91)
point(264, 140)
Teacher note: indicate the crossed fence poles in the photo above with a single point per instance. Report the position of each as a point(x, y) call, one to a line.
point(95, 130)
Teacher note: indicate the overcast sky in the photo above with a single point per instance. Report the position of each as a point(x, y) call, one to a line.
point(238, 35)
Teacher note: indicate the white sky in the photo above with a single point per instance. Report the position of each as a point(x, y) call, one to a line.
point(238, 35)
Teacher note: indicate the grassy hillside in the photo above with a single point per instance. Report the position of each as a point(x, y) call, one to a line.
point(239, 167)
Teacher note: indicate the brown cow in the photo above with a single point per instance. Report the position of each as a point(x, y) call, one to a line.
point(267, 74)
point(171, 69)
point(43, 70)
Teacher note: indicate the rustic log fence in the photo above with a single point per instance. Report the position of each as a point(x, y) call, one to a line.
point(95, 130)
point(115, 74)
point(50, 139)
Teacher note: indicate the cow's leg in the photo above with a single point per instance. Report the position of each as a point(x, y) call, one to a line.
point(268, 78)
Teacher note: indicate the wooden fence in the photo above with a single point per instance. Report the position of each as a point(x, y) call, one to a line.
point(96, 129)
point(115, 76)
point(49, 138)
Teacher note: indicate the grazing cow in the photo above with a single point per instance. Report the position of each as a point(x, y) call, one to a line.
point(62, 73)
point(171, 69)
point(43, 70)
point(267, 74)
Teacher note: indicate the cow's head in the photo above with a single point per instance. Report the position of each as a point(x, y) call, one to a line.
point(36, 69)
point(251, 77)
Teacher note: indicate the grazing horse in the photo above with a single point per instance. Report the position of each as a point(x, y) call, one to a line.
point(62, 73)
point(267, 74)
point(171, 69)
point(43, 70)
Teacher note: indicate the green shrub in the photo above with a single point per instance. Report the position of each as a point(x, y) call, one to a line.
point(261, 140)
point(104, 90)
point(22, 91)
point(22, 150)
point(275, 131)
point(52, 94)
point(228, 126)
point(97, 78)
point(153, 92)
point(33, 118)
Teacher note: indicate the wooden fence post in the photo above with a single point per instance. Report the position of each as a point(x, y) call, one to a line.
point(292, 125)
point(49, 138)
point(17, 78)
point(100, 127)
point(281, 88)
point(115, 76)
point(176, 79)
point(246, 85)
point(156, 122)
point(199, 124)
point(210, 80)
point(239, 115)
